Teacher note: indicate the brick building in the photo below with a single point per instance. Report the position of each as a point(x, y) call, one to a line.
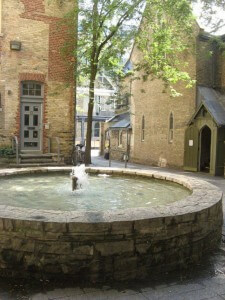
point(36, 86)
point(162, 127)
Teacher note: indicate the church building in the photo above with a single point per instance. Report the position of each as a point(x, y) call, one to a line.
point(187, 131)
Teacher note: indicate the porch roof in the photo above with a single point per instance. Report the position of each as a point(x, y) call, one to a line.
point(122, 121)
point(214, 102)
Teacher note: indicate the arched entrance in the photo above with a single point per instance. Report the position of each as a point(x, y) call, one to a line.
point(205, 150)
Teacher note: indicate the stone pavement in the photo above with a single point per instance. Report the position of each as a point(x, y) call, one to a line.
point(203, 281)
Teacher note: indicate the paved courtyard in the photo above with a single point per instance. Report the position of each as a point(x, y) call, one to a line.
point(203, 281)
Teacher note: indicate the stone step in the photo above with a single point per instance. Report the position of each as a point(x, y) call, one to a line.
point(31, 155)
point(36, 160)
point(29, 165)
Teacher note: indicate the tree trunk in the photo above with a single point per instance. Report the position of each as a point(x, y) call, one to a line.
point(93, 69)
point(90, 115)
point(89, 123)
point(75, 70)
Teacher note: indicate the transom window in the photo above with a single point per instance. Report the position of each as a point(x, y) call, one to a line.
point(31, 89)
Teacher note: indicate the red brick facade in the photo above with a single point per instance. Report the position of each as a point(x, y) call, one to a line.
point(34, 6)
point(38, 25)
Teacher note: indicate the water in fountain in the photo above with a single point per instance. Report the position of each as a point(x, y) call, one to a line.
point(81, 175)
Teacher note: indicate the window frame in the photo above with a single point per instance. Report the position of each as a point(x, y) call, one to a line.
point(98, 128)
point(120, 138)
point(41, 96)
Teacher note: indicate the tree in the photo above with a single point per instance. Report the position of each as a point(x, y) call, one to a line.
point(107, 28)
point(103, 37)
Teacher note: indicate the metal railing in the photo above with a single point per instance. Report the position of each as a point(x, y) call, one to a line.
point(58, 147)
point(15, 147)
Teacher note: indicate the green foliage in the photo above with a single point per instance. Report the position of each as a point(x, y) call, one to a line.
point(105, 36)
point(164, 39)
point(6, 152)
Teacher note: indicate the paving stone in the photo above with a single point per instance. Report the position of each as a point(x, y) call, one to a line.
point(39, 296)
point(198, 295)
point(90, 296)
point(137, 296)
point(70, 292)
point(56, 294)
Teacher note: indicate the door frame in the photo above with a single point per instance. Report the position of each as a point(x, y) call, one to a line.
point(32, 101)
point(200, 148)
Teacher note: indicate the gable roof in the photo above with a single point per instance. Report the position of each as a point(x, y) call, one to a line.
point(214, 102)
point(122, 121)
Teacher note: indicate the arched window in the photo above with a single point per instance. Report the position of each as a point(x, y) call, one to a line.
point(171, 128)
point(97, 129)
point(143, 129)
point(120, 139)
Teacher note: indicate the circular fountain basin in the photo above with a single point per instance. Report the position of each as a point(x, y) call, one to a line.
point(99, 193)
point(110, 243)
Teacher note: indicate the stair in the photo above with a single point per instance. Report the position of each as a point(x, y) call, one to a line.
point(38, 160)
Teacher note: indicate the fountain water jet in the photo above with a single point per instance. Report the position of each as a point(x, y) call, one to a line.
point(79, 177)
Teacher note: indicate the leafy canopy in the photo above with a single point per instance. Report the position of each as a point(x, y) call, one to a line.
point(107, 29)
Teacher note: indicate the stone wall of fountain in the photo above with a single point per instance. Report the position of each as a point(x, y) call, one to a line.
point(112, 245)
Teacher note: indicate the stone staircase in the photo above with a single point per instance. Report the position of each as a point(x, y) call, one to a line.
point(37, 160)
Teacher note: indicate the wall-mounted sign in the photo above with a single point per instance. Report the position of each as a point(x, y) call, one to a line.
point(191, 143)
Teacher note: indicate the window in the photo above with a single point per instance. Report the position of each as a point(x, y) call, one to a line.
point(31, 89)
point(97, 129)
point(143, 129)
point(120, 138)
point(171, 128)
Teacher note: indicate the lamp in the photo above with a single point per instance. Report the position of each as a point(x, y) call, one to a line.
point(15, 45)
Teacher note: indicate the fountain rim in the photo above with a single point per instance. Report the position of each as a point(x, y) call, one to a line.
point(204, 195)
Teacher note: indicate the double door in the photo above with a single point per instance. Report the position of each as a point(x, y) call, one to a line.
point(31, 126)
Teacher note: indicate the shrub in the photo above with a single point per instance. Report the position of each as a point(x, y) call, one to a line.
point(6, 152)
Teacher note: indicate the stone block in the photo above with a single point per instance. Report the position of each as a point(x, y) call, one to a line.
point(55, 227)
point(83, 250)
point(1, 225)
point(89, 227)
point(23, 245)
point(122, 227)
point(26, 225)
point(8, 224)
point(123, 263)
point(149, 226)
point(115, 248)
point(53, 247)
point(143, 248)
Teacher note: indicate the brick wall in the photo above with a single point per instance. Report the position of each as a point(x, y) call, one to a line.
point(149, 100)
point(38, 26)
point(205, 68)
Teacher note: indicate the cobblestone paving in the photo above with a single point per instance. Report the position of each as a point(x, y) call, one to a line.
point(203, 281)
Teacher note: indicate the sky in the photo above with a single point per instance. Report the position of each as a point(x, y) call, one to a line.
point(219, 14)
